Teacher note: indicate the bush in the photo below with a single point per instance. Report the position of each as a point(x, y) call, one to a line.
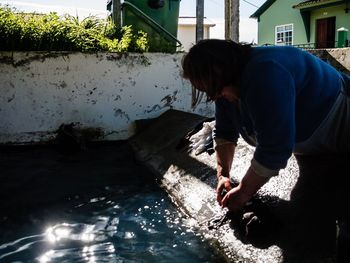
point(21, 31)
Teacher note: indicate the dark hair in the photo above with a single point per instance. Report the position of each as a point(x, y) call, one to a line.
point(212, 64)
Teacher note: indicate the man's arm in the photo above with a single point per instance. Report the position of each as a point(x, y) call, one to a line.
point(224, 158)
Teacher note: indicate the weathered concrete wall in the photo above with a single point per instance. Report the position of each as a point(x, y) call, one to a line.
point(40, 90)
point(338, 57)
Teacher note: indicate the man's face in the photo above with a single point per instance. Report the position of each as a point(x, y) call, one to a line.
point(228, 93)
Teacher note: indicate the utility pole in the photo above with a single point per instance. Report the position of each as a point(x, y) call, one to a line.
point(199, 20)
point(116, 12)
point(232, 20)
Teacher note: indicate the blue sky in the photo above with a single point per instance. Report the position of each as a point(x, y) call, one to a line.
point(213, 10)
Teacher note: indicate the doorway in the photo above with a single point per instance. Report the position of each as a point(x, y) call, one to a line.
point(325, 32)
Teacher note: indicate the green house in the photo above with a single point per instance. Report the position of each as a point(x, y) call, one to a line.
point(310, 24)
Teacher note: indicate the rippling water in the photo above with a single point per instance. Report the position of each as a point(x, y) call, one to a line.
point(129, 223)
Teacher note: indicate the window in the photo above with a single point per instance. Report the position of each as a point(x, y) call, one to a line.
point(284, 35)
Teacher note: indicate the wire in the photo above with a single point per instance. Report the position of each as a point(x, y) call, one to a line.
point(220, 4)
point(250, 3)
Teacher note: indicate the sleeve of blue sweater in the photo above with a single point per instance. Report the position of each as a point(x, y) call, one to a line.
point(270, 99)
point(226, 121)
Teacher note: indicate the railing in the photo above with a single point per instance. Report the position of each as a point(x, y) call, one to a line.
point(306, 46)
point(319, 45)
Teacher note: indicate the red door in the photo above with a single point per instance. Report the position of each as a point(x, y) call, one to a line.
point(325, 32)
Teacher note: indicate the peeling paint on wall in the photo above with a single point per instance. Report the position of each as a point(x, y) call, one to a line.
point(30, 57)
point(119, 113)
point(40, 91)
point(169, 99)
point(11, 99)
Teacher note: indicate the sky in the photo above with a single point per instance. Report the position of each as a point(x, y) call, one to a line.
point(213, 10)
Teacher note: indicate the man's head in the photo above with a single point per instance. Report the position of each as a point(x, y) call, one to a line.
point(213, 64)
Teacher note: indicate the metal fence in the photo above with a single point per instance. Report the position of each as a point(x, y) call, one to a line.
point(333, 44)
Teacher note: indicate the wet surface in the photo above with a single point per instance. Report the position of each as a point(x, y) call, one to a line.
point(95, 205)
point(76, 195)
point(268, 229)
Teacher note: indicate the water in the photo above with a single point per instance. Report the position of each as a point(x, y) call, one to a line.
point(133, 221)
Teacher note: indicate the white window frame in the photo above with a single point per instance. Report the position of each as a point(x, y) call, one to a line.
point(283, 43)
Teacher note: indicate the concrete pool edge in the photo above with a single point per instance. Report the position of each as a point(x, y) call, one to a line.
point(190, 181)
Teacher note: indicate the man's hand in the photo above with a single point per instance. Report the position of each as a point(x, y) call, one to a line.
point(235, 199)
point(224, 185)
point(238, 196)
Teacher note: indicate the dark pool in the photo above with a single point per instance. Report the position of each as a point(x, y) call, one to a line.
point(113, 210)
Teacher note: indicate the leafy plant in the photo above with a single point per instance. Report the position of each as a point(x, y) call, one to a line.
point(21, 31)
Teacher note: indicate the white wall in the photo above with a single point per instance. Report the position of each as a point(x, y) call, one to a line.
point(187, 35)
point(40, 91)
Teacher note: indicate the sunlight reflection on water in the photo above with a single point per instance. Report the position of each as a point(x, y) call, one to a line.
point(139, 228)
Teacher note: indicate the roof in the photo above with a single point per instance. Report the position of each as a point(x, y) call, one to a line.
point(262, 8)
point(301, 5)
point(191, 21)
point(310, 3)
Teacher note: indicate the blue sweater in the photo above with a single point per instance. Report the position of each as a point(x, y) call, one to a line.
point(285, 94)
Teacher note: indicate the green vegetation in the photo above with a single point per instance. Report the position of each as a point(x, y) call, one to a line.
point(49, 32)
